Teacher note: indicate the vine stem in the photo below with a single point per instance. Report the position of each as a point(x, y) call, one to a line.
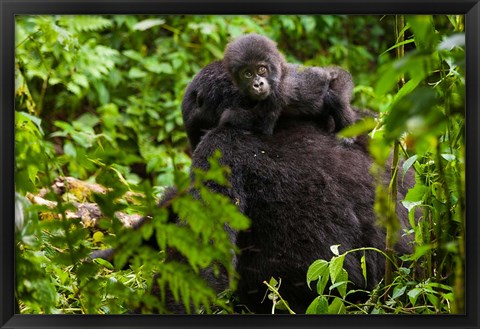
point(275, 291)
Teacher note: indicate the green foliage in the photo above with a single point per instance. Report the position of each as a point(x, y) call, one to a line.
point(425, 118)
point(99, 97)
point(406, 295)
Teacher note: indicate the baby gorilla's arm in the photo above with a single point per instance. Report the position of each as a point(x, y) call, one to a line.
point(254, 119)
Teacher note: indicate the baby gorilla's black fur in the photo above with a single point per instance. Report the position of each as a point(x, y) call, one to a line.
point(274, 87)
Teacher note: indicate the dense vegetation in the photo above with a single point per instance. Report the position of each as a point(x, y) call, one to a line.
point(98, 99)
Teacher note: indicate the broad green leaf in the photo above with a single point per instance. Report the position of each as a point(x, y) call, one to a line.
point(104, 263)
point(322, 282)
point(433, 299)
point(336, 266)
point(417, 193)
point(337, 307)
point(318, 306)
point(413, 295)
point(341, 283)
point(318, 268)
point(361, 127)
point(88, 120)
point(398, 291)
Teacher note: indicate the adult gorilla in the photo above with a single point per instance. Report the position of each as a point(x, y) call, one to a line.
point(303, 190)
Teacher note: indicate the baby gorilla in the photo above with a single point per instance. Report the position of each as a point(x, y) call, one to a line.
point(273, 87)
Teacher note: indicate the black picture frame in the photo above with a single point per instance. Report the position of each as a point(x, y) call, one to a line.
point(8, 10)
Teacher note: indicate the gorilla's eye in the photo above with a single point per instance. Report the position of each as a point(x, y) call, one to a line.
point(247, 74)
point(262, 70)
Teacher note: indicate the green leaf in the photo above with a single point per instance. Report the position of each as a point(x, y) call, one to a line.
point(411, 204)
point(132, 54)
point(273, 282)
point(411, 113)
point(88, 120)
point(378, 311)
point(136, 73)
point(449, 157)
point(336, 266)
point(361, 127)
point(322, 282)
point(363, 265)
point(398, 291)
point(433, 299)
point(104, 263)
point(424, 32)
point(413, 295)
point(421, 251)
point(309, 23)
point(69, 149)
point(84, 23)
point(74, 88)
point(318, 306)
point(341, 283)
point(407, 164)
point(317, 269)
point(405, 42)
point(415, 65)
point(337, 307)
point(452, 41)
point(417, 193)
point(148, 24)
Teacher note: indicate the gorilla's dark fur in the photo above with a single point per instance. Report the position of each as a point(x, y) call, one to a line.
point(275, 87)
point(204, 107)
point(302, 189)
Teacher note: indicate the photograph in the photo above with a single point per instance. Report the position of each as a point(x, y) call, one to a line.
point(219, 167)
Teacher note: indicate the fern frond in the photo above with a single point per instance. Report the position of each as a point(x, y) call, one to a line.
point(84, 23)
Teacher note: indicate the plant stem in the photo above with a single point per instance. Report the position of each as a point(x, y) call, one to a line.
point(392, 220)
point(275, 291)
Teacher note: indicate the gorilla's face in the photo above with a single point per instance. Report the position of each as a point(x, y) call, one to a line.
point(254, 81)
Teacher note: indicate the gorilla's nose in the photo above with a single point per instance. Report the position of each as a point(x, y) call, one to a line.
point(258, 85)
